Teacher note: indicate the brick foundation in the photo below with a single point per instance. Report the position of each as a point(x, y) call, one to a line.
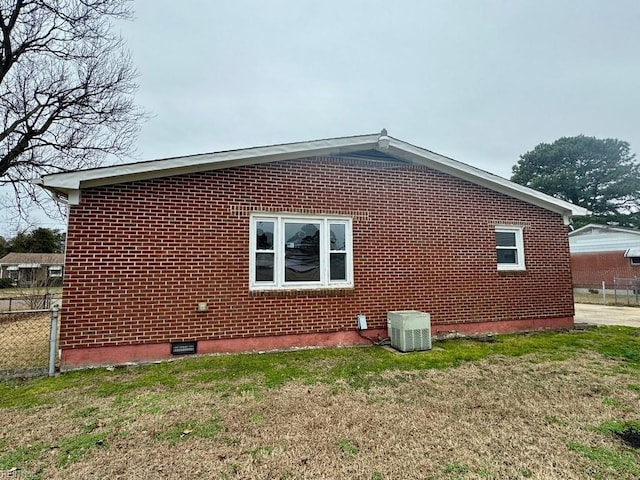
point(84, 357)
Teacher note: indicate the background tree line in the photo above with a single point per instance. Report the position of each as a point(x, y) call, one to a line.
point(600, 175)
point(39, 240)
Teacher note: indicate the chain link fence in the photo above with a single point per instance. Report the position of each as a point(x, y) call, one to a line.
point(626, 291)
point(622, 291)
point(28, 342)
point(27, 302)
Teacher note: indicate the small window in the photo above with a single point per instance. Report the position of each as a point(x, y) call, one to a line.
point(264, 250)
point(509, 248)
point(289, 251)
point(13, 273)
point(633, 254)
point(55, 271)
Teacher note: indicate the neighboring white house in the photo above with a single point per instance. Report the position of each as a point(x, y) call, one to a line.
point(600, 253)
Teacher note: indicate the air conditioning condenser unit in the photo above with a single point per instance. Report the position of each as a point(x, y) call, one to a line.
point(409, 330)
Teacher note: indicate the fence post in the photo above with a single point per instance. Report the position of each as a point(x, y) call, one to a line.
point(53, 337)
point(10, 299)
point(604, 294)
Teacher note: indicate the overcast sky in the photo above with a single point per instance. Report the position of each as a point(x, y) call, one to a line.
point(479, 81)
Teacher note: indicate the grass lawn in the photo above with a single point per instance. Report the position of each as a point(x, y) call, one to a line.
point(21, 292)
point(540, 406)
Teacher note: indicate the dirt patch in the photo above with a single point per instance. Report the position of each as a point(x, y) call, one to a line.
point(501, 418)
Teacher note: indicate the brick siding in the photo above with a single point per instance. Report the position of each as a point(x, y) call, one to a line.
point(591, 269)
point(142, 255)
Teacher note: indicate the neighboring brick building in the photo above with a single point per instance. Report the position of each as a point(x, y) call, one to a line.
point(285, 245)
point(600, 253)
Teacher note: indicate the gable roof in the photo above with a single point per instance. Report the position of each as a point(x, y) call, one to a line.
point(603, 238)
point(16, 258)
point(594, 227)
point(67, 186)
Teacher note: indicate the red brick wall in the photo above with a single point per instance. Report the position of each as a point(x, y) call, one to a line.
point(142, 255)
point(591, 269)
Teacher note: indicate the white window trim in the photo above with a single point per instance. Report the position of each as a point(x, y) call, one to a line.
point(520, 266)
point(279, 283)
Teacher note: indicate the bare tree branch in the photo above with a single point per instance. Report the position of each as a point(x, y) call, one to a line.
point(66, 89)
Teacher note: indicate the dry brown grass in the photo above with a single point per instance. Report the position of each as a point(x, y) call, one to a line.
point(501, 418)
point(24, 342)
point(587, 298)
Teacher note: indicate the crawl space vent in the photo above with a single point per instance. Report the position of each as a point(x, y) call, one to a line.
point(409, 330)
point(183, 348)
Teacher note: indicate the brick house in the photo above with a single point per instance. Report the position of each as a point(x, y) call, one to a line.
point(285, 245)
point(600, 253)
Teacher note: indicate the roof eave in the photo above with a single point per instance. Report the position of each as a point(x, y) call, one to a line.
point(607, 228)
point(444, 164)
point(66, 186)
point(204, 162)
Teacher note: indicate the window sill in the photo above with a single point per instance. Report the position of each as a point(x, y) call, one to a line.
point(512, 273)
point(512, 268)
point(304, 292)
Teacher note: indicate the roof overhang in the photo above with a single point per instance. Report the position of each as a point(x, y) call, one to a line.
point(603, 228)
point(632, 252)
point(67, 186)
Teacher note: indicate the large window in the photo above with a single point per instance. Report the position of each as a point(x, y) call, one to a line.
point(509, 248)
point(300, 252)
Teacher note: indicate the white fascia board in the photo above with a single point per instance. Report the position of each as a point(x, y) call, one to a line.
point(68, 185)
point(444, 164)
point(210, 161)
point(581, 230)
point(605, 228)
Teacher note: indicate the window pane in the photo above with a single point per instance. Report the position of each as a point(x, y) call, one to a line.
point(338, 266)
point(338, 233)
point(264, 235)
point(264, 267)
point(507, 255)
point(506, 239)
point(302, 252)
